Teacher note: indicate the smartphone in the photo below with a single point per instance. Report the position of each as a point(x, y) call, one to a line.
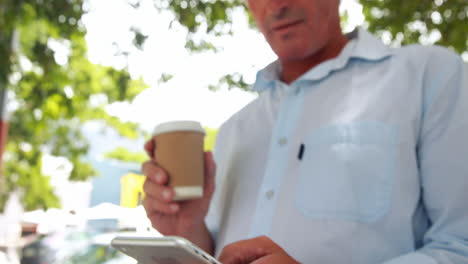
point(162, 250)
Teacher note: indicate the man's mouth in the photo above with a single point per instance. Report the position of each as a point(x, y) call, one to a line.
point(286, 25)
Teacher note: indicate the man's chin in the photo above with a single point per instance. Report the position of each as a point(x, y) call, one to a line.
point(292, 56)
point(292, 52)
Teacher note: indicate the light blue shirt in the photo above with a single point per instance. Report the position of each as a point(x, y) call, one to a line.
point(383, 173)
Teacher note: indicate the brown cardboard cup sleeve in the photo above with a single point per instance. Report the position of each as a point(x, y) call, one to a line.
point(179, 151)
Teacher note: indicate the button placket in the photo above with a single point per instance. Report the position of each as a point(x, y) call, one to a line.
point(276, 166)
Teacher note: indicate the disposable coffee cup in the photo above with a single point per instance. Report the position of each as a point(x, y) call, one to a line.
point(179, 151)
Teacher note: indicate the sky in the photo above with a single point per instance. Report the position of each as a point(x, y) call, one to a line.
point(186, 96)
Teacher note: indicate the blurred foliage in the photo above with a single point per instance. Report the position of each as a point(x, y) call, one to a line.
point(231, 81)
point(212, 16)
point(165, 78)
point(97, 254)
point(56, 90)
point(123, 154)
point(411, 22)
point(201, 46)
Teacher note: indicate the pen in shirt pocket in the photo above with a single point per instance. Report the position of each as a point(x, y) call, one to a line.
point(300, 154)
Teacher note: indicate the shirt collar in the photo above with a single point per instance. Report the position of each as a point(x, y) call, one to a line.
point(363, 45)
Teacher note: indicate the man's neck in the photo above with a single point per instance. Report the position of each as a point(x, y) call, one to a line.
point(292, 70)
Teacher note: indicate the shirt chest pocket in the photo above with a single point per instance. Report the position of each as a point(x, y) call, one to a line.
point(347, 172)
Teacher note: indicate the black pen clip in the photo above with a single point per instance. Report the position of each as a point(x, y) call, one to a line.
point(301, 152)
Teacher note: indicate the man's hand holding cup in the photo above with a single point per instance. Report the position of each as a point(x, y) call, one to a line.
point(179, 180)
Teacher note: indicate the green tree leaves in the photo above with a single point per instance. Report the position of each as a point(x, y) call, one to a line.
point(412, 21)
point(192, 14)
point(123, 154)
point(53, 99)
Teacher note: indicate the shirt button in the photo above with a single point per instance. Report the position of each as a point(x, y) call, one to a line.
point(270, 194)
point(283, 141)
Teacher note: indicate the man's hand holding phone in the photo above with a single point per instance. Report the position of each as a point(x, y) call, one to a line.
point(259, 250)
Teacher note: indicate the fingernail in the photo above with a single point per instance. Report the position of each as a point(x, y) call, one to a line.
point(167, 195)
point(174, 207)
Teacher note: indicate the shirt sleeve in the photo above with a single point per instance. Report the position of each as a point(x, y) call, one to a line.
point(221, 152)
point(443, 164)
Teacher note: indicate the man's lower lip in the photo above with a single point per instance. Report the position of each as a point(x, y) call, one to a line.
point(287, 27)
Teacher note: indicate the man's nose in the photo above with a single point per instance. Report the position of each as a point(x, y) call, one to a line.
point(277, 7)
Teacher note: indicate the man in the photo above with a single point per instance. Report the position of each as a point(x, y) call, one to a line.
point(353, 153)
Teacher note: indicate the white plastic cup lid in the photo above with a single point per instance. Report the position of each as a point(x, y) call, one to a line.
point(178, 126)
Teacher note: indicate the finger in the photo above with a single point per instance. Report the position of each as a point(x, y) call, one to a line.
point(242, 252)
point(235, 255)
point(247, 251)
point(158, 191)
point(149, 148)
point(153, 172)
point(210, 172)
point(154, 206)
point(266, 243)
point(280, 257)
